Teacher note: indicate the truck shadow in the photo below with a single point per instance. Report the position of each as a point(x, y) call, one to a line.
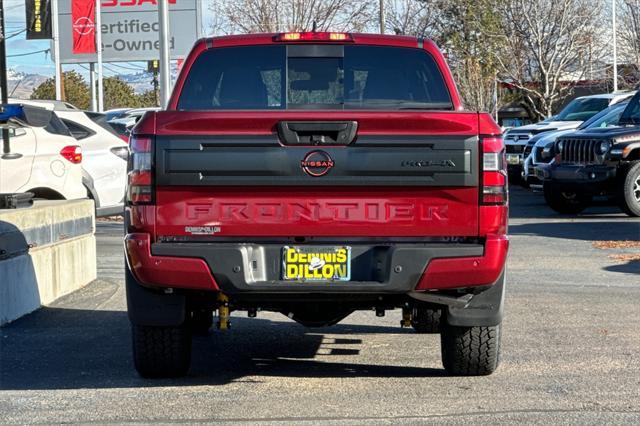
point(528, 204)
point(631, 267)
point(79, 349)
point(608, 230)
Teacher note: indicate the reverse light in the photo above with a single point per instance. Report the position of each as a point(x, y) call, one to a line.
point(72, 153)
point(140, 175)
point(313, 36)
point(494, 172)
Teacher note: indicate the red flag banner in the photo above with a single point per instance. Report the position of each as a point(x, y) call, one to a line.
point(83, 21)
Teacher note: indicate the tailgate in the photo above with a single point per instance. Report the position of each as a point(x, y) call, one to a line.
point(404, 175)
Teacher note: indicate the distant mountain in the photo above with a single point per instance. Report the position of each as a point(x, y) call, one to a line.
point(141, 81)
point(21, 85)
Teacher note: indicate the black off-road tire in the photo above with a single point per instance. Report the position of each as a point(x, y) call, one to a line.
point(161, 351)
point(426, 320)
point(470, 351)
point(629, 197)
point(200, 321)
point(565, 202)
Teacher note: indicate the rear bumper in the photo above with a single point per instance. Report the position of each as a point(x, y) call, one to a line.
point(256, 268)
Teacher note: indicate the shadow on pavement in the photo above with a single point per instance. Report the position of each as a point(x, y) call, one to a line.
point(614, 230)
point(75, 349)
point(631, 267)
point(528, 204)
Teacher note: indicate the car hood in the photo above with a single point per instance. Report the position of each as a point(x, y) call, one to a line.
point(544, 139)
point(546, 127)
point(607, 133)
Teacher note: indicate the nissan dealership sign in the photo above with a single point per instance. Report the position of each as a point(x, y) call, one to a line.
point(130, 30)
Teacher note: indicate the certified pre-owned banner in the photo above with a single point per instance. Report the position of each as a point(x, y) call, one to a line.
point(38, 19)
point(83, 23)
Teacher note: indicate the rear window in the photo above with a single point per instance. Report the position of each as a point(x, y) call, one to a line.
point(275, 77)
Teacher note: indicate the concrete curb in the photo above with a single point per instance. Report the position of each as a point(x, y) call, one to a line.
point(46, 251)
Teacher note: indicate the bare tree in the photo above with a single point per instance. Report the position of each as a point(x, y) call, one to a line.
point(462, 29)
point(412, 17)
point(548, 47)
point(629, 39)
point(248, 16)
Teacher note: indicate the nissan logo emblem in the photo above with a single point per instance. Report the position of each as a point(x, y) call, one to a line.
point(317, 163)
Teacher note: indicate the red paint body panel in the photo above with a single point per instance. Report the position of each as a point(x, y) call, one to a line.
point(249, 212)
point(467, 271)
point(164, 271)
point(195, 123)
point(294, 211)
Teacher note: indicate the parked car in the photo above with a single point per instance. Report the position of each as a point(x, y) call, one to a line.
point(130, 117)
point(116, 113)
point(105, 155)
point(571, 116)
point(45, 159)
point(597, 161)
point(316, 174)
point(540, 147)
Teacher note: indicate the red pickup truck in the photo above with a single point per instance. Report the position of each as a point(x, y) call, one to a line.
point(316, 174)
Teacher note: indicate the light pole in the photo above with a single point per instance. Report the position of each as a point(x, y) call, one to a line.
point(55, 27)
point(98, 29)
point(382, 25)
point(165, 69)
point(615, 47)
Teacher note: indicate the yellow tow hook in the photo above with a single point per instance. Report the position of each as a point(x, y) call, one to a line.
point(406, 317)
point(223, 312)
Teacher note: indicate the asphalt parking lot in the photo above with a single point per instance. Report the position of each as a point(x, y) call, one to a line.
point(571, 349)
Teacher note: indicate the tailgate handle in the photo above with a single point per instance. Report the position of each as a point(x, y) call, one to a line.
point(317, 132)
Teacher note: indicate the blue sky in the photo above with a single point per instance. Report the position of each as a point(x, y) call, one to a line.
point(41, 63)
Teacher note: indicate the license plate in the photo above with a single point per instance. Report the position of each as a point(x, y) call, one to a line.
point(513, 159)
point(316, 263)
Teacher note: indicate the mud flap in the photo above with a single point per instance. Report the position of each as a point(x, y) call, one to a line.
point(484, 309)
point(152, 308)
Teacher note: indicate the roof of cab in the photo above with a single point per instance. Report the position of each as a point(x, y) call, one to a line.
point(358, 38)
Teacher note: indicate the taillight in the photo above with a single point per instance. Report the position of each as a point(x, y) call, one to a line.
point(495, 189)
point(140, 176)
point(72, 153)
point(313, 36)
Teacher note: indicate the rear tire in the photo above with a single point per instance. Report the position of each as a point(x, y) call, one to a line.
point(161, 351)
point(470, 351)
point(426, 320)
point(629, 198)
point(565, 202)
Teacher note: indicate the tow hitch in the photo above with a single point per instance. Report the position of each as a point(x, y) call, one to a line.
point(223, 312)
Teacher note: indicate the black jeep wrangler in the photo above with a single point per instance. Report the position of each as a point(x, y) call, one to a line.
point(597, 162)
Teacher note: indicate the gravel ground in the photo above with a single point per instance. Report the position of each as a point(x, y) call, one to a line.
point(571, 349)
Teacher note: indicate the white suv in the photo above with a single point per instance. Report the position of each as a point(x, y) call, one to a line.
point(43, 160)
point(105, 155)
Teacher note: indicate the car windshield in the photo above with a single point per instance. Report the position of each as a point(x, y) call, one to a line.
point(605, 118)
point(631, 114)
point(315, 77)
point(582, 109)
